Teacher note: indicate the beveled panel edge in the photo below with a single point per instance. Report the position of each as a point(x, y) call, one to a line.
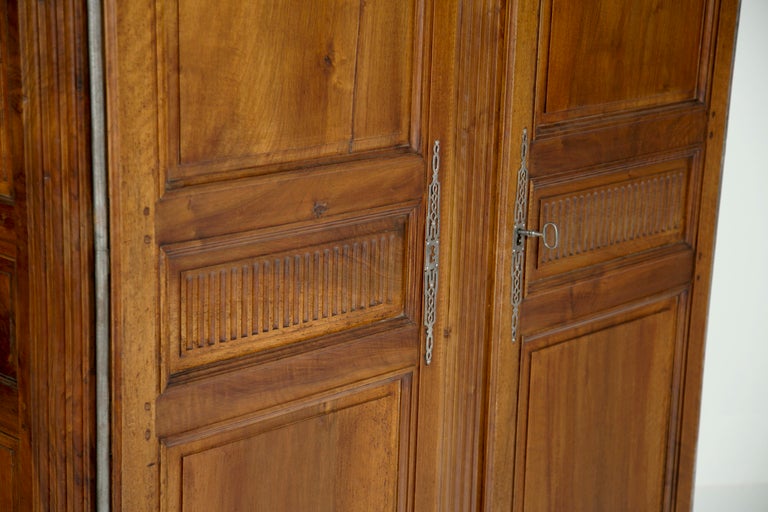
point(244, 167)
point(241, 301)
point(544, 120)
point(240, 427)
point(8, 324)
point(398, 386)
point(9, 406)
point(673, 300)
point(218, 209)
point(615, 120)
point(194, 405)
point(8, 268)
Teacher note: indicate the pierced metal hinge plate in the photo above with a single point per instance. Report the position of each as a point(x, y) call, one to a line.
point(549, 235)
point(432, 254)
point(518, 241)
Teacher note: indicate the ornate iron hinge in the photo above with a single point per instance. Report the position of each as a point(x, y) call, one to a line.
point(432, 254)
point(518, 250)
point(549, 235)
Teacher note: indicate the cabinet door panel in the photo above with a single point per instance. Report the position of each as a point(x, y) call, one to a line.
point(9, 464)
point(600, 406)
point(618, 149)
point(269, 174)
point(341, 453)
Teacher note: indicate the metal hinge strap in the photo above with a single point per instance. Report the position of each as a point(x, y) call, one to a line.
point(518, 253)
point(432, 254)
point(549, 235)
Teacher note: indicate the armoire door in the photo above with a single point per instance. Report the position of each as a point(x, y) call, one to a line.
point(617, 165)
point(269, 172)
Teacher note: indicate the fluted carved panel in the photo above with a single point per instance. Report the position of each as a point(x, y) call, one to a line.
point(275, 298)
point(635, 210)
point(275, 293)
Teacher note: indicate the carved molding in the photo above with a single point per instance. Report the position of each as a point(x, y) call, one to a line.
point(613, 215)
point(54, 264)
point(288, 289)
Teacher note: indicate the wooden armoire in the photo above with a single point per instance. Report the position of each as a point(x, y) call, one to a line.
point(424, 255)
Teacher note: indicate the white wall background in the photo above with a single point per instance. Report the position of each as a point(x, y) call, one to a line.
point(732, 462)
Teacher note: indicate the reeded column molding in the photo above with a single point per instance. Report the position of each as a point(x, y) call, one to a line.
point(55, 348)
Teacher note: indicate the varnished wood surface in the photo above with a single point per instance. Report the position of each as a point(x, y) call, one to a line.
point(613, 100)
point(620, 108)
point(613, 43)
point(597, 399)
point(717, 99)
point(46, 400)
point(268, 261)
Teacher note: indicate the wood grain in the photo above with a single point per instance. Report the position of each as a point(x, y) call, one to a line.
point(253, 134)
point(342, 79)
point(718, 91)
point(9, 467)
point(342, 453)
point(47, 105)
point(599, 409)
point(599, 110)
point(592, 51)
point(9, 77)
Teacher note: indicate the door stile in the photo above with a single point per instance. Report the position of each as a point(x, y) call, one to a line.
point(714, 146)
point(430, 453)
point(133, 167)
point(518, 72)
point(469, 207)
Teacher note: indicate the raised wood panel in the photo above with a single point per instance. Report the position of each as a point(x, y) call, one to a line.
point(612, 215)
point(601, 57)
point(347, 452)
point(6, 167)
point(598, 402)
point(343, 78)
point(8, 474)
point(9, 406)
point(227, 299)
point(7, 321)
point(10, 73)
